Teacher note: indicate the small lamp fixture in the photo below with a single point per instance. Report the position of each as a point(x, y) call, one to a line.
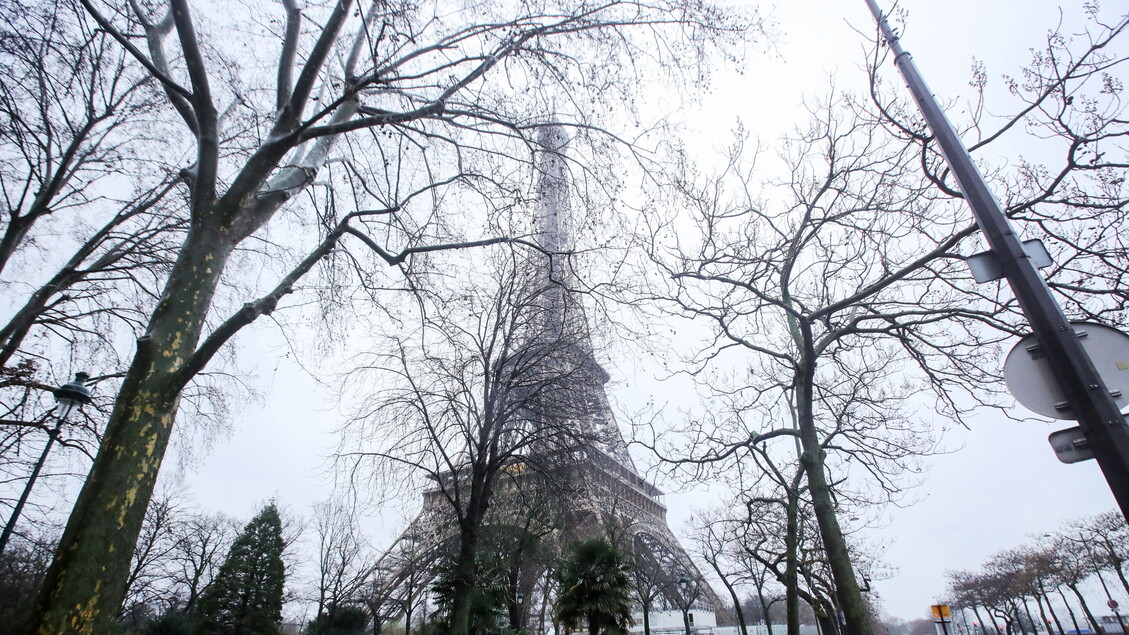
point(72, 394)
point(520, 597)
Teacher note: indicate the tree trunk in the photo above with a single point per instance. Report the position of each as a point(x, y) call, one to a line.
point(847, 590)
point(1070, 611)
point(1086, 608)
point(478, 503)
point(1121, 576)
point(1050, 609)
point(111, 506)
point(464, 581)
point(983, 624)
point(764, 609)
point(995, 625)
point(827, 625)
point(733, 595)
point(14, 235)
point(1030, 617)
point(792, 565)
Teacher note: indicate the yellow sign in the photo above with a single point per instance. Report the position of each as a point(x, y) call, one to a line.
point(941, 612)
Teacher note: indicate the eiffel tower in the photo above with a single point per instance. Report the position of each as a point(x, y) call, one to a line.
point(606, 493)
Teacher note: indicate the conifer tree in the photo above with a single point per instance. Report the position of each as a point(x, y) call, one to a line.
point(246, 595)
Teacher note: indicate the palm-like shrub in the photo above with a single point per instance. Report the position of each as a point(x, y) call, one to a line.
point(595, 587)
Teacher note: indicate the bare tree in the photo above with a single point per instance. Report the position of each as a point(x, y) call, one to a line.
point(344, 557)
point(1068, 188)
point(651, 585)
point(1106, 539)
point(85, 226)
point(830, 284)
point(150, 574)
point(70, 101)
point(22, 566)
point(1003, 588)
point(482, 402)
point(858, 275)
point(201, 544)
point(717, 541)
point(409, 98)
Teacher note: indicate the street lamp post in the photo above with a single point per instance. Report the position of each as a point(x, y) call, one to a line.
point(68, 397)
point(1086, 392)
point(684, 586)
point(411, 544)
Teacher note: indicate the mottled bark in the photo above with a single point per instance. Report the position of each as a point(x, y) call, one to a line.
point(95, 550)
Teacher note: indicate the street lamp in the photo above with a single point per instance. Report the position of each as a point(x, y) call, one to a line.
point(69, 395)
point(411, 552)
point(684, 586)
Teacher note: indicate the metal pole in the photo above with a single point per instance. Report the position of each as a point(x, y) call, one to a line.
point(11, 526)
point(1098, 416)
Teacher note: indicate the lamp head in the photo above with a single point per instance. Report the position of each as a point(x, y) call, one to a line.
point(72, 394)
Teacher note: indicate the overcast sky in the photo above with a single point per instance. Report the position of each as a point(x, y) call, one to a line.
point(1000, 485)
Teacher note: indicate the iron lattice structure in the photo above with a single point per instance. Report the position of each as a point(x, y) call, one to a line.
point(553, 497)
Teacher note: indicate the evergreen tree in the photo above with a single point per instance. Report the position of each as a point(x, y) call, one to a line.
point(487, 598)
point(341, 620)
point(595, 587)
point(246, 595)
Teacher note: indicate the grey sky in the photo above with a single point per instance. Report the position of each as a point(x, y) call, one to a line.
point(998, 486)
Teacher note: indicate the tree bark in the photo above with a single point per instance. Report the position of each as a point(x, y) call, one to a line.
point(1070, 611)
point(1050, 609)
point(847, 590)
point(111, 505)
point(792, 565)
point(465, 563)
point(1086, 608)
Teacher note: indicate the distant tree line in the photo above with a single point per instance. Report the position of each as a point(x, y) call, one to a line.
point(192, 573)
point(1047, 586)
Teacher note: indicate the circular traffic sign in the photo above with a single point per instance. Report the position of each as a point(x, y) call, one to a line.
point(1029, 378)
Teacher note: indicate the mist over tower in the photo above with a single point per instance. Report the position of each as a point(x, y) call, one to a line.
point(565, 472)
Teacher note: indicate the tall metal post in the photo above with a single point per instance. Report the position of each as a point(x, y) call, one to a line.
point(68, 395)
point(1098, 416)
point(10, 526)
